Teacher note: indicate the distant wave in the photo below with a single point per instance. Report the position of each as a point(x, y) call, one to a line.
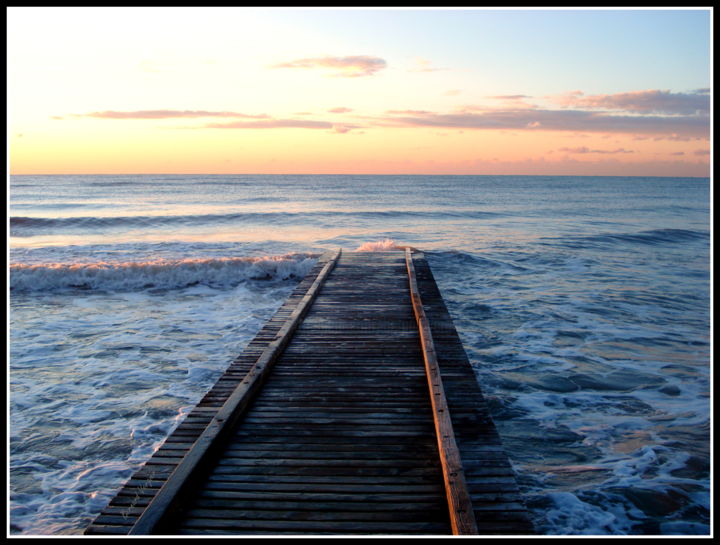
point(652, 237)
point(222, 273)
point(20, 223)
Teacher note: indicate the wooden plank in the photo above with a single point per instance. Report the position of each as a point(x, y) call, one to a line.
point(406, 506)
point(357, 516)
point(462, 515)
point(340, 527)
point(341, 439)
point(167, 497)
point(465, 396)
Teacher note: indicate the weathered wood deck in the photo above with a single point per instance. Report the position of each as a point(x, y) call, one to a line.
point(328, 424)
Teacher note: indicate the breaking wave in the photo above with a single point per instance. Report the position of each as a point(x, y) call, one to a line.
point(164, 274)
point(380, 246)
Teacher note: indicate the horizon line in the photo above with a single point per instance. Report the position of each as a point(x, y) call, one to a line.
point(338, 174)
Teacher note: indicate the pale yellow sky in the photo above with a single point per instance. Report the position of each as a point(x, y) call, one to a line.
point(215, 90)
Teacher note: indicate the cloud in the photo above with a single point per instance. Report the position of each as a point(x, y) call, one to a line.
point(247, 121)
point(271, 124)
point(584, 149)
point(342, 129)
point(347, 67)
point(166, 114)
point(645, 102)
point(509, 97)
point(283, 124)
point(409, 112)
point(701, 152)
point(640, 119)
point(550, 120)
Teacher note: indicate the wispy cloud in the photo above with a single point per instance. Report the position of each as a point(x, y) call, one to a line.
point(509, 97)
point(347, 67)
point(166, 114)
point(644, 102)
point(345, 128)
point(239, 120)
point(271, 124)
point(552, 120)
point(283, 124)
point(409, 112)
point(642, 114)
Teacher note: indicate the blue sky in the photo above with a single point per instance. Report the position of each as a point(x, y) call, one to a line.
point(550, 51)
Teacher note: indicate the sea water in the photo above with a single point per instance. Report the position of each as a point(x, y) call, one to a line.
point(583, 304)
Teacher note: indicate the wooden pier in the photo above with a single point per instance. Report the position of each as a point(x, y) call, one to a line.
point(353, 411)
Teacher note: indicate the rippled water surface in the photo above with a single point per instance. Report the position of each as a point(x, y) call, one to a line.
point(583, 304)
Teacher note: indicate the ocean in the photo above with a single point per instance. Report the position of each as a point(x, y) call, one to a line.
point(583, 304)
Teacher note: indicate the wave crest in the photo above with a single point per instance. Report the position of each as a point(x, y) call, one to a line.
point(221, 273)
point(380, 246)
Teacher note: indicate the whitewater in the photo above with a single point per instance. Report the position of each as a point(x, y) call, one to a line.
point(583, 304)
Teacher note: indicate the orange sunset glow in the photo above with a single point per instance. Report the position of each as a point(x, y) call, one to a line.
point(229, 90)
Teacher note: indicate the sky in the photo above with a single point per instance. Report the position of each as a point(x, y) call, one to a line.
point(123, 90)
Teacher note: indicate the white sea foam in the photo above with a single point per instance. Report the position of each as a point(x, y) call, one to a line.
point(380, 246)
point(102, 384)
point(162, 273)
point(573, 516)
